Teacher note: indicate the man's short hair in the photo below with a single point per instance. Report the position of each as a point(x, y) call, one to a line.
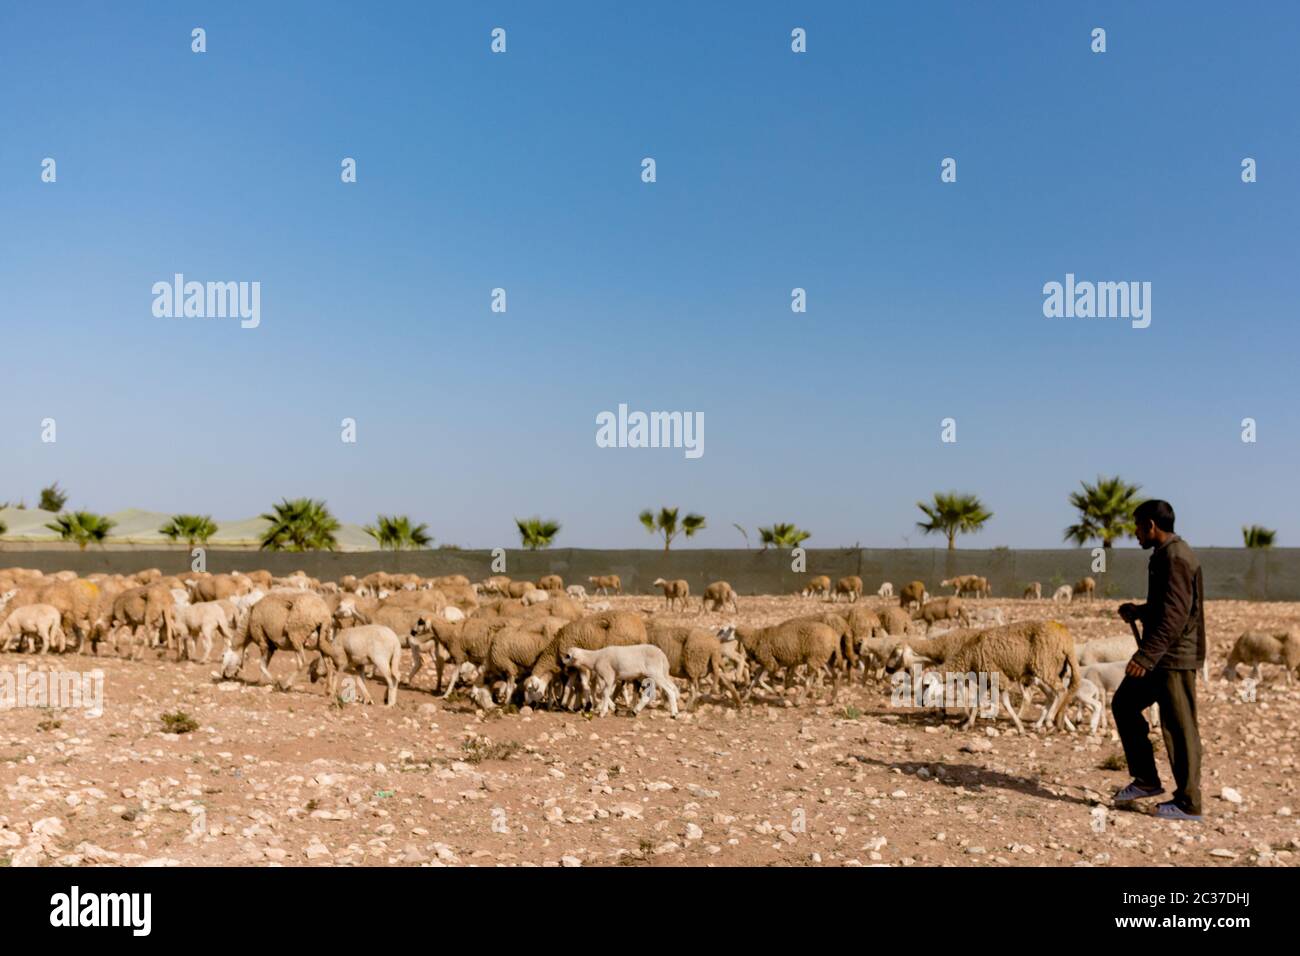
point(1157, 511)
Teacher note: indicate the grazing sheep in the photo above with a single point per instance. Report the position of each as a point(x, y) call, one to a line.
point(913, 593)
point(148, 612)
point(577, 592)
point(609, 665)
point(496, 584)
point(414, 627)
point(875, 651)
point(605, 583)
point(1257, 648)
point(820, 585)
point(792, 643)
point(886, 591)
point(1063, 594)
point(850, 586)
point(536, 596)
point(677, 590)
point(356, 648)
point(718, 595)
point(513, 651)
point(941, 609)
point(551, 582)
point(597, 606)
point(846, 632)
point(468, 642)
point(1085, 588)
point(1034, 591)
point(43, 621)
point(894, 620)
point(606, 629)
point(694, 653)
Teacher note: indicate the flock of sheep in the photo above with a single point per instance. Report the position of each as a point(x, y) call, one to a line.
point(547, 644)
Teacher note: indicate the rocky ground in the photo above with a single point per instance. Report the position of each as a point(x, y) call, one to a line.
point(269, 777)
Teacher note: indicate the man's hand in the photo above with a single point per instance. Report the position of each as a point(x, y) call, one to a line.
point(1128, 613)
point(1135, 669)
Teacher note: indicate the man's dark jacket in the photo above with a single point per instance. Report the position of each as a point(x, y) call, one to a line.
point(1173, 619)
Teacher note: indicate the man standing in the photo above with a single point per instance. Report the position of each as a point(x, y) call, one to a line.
point(1163, 671)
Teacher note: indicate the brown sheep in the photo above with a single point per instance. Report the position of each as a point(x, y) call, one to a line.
point(1034, 591)
point(845, 631)
point(551, 582)
point(912, 593)
point(716, 597)
point(1085, 588)
point(147, 613)
point(678, 590)
point(941, 609)
point(517, 589)
point(850, 587)
point(820, 585)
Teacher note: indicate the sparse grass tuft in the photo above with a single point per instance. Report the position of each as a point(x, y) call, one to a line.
point(1114, 761)
point(477, 749)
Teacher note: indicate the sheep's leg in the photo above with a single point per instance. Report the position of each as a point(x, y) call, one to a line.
point(418, 658)
point(647, 695)
point(1015, 718)
point(265, 663)
point(451, 685)
point(670, 689)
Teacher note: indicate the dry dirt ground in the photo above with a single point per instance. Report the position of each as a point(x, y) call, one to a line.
point(271, 777)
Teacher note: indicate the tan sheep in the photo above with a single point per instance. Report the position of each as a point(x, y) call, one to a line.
point(693, 653)
point(791, 644)
point(849, 586)
point(674, 591)
point(1258, 648)
point(551, 582)
point(147, 612)
point(513, 651)
point(818, 586)
point(606, 583)
point(1034, 591)
point(590, 633)
point(517, 589)
point(1085, 589)
point(283, 620)
point(717, 596)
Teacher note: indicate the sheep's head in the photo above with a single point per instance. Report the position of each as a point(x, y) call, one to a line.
point(481, 697)
point(727, 632)
point(535, 689)
point(567, 658)
point(658, 583)
point(230, 662)
point(900, 658)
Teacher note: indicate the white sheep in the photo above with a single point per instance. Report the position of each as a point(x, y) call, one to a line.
point(640, 662)
point(886, 590)
point(1063, 594)
point(201, 621)
point(1121, 647)
point(355, 648)
point(986, 617)
point(537, 596)
point(577, 592)
point(42, 621)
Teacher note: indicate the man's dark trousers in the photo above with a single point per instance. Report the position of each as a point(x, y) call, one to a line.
point(1175, 692)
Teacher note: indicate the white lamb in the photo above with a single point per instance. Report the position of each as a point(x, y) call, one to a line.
point(577, 592)
point(886, 590)
point(1063, 594)
point(639, 662)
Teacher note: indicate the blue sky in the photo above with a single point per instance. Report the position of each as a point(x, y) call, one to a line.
point(775, 170)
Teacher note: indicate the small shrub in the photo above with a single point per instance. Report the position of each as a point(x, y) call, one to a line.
point(477, 749)
point(179, 723)
point(1114, 762)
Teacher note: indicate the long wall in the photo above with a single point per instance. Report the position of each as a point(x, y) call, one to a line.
point(1262, 575)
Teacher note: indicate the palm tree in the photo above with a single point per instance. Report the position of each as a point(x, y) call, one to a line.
point(782, 535)
point(82, 527)
point(1105, 510)
point(666, 524)
point(396, 533)
point(743, 533)
point(190, 527)
point(952, 514)
point(1257, 536)
point(300, 524)
point(53, 498)
point(536, 533)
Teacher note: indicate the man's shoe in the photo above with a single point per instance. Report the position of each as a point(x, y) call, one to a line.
point(1135, 791)
point(1172, 811)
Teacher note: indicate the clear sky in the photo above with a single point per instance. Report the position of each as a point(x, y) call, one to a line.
point(775, 170)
